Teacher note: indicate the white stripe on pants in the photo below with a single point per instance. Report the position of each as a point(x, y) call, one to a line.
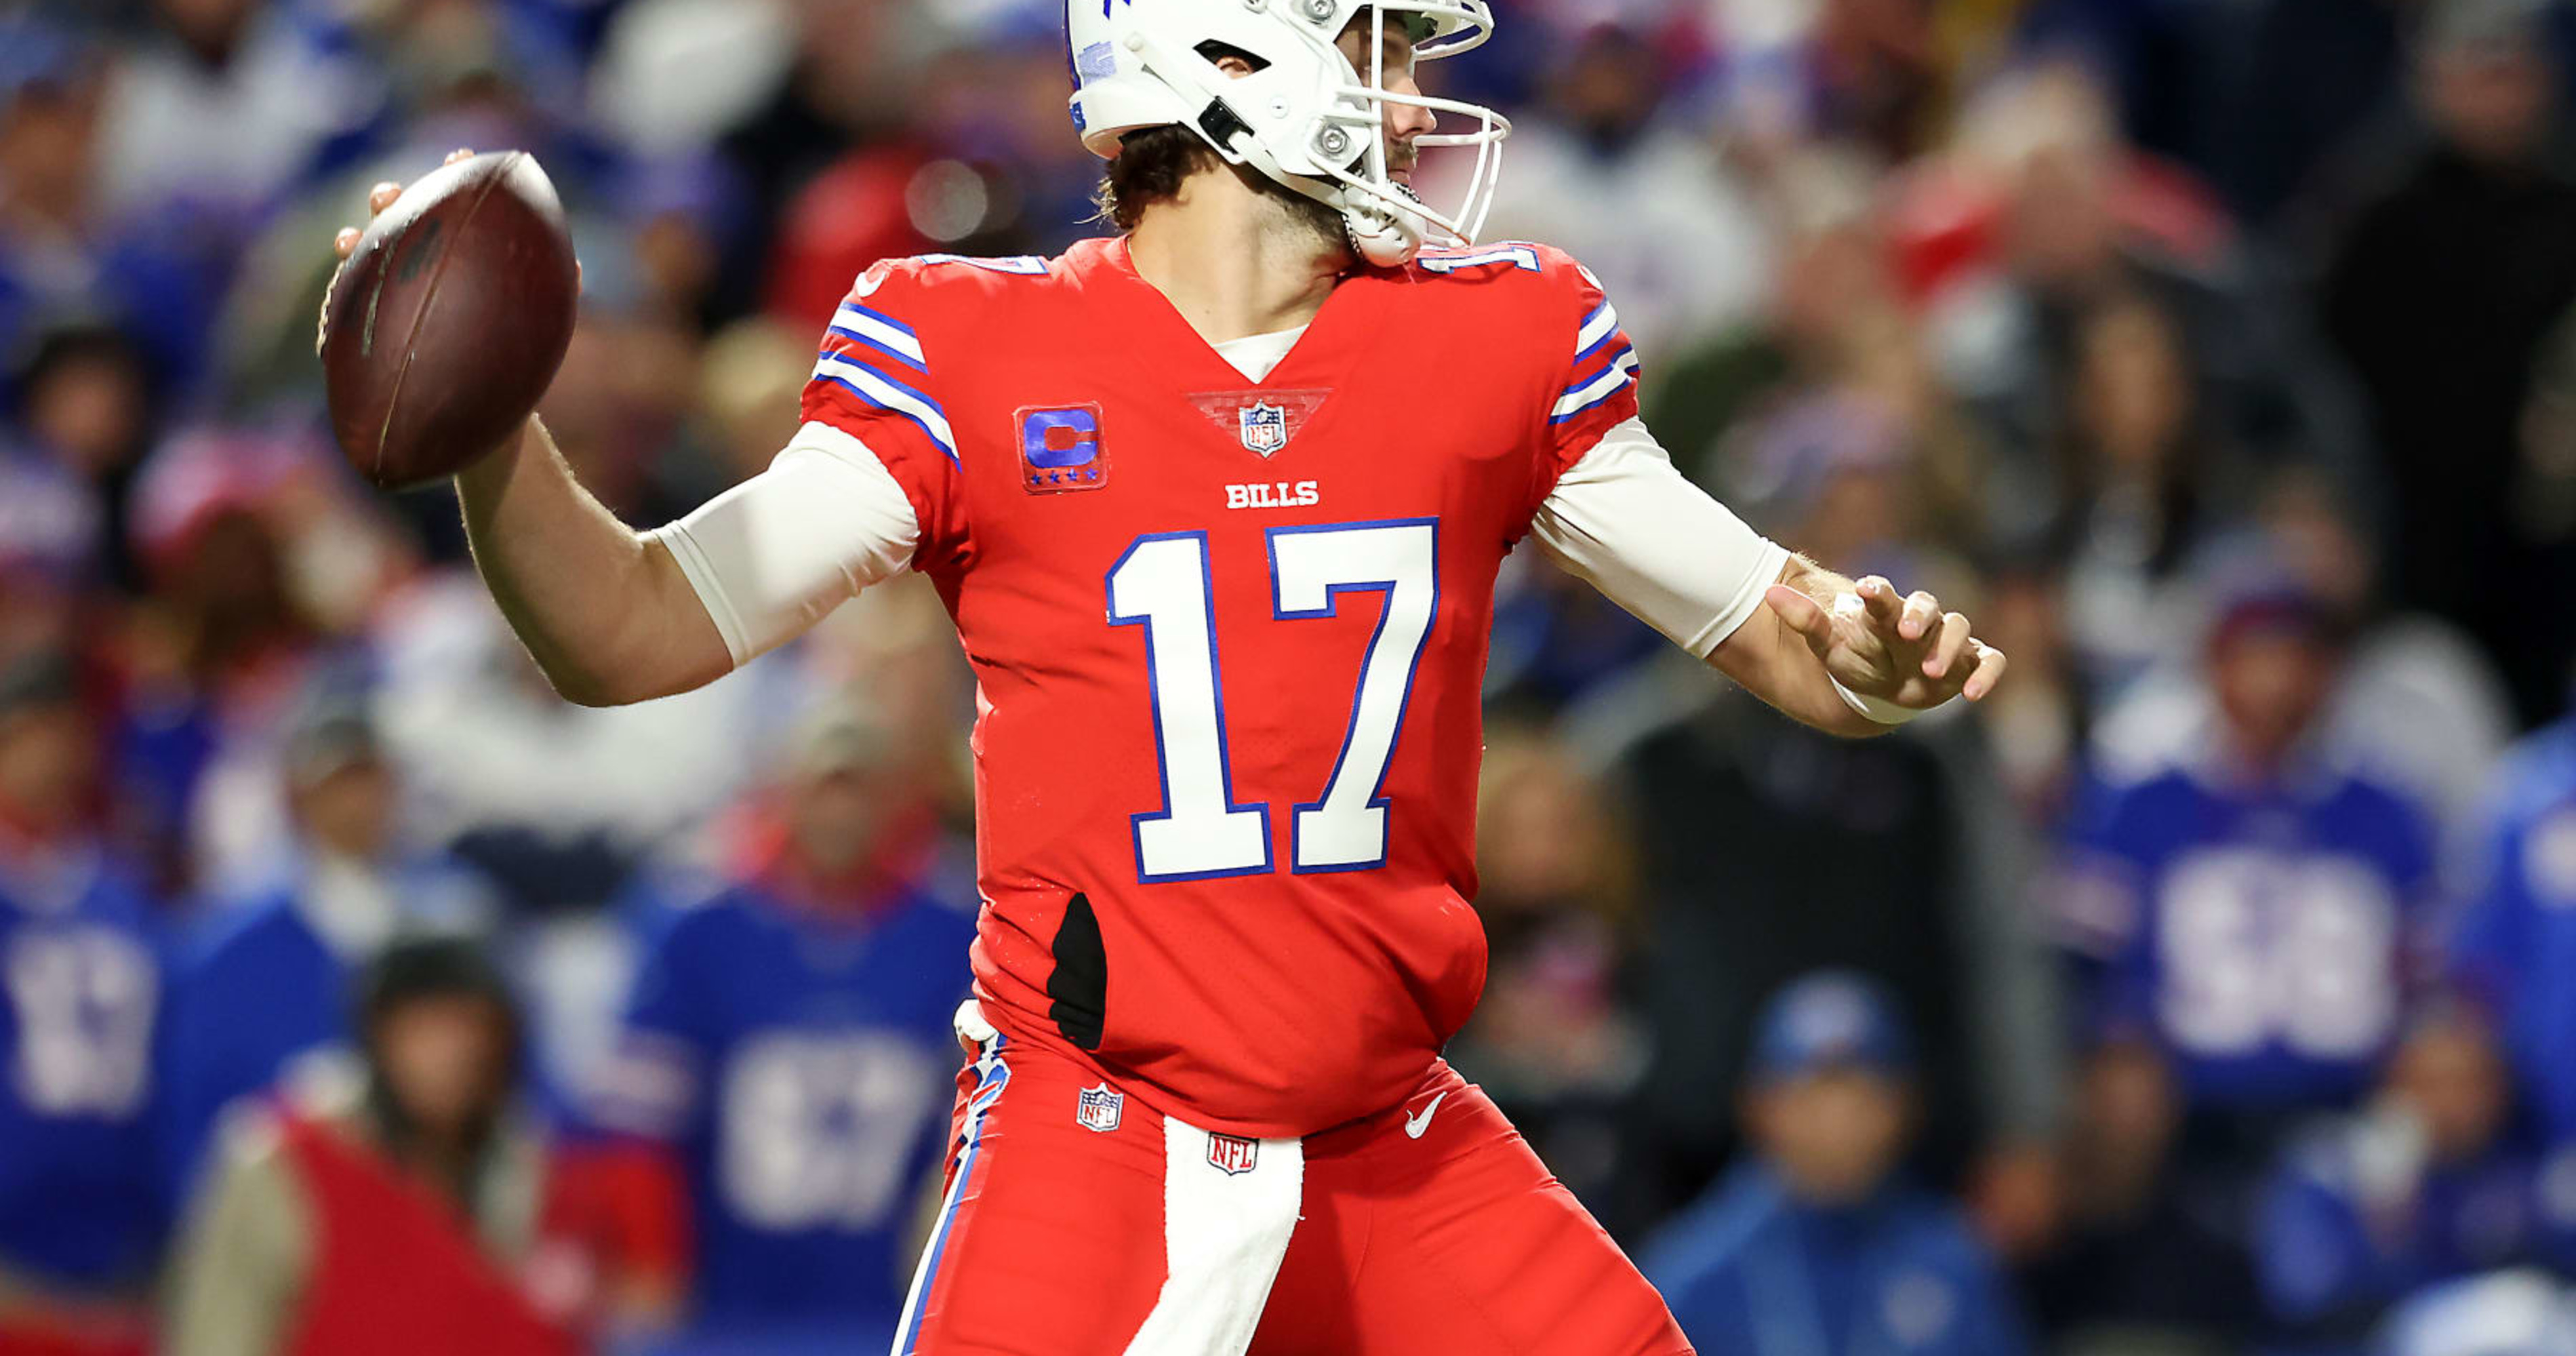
point(1223, 1237)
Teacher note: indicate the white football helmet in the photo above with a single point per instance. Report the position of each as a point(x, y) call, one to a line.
point(1307, 118)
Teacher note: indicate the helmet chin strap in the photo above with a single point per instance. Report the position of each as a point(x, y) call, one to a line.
point(1383, 238)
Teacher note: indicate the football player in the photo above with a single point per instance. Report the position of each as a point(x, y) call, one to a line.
point(1217, 504)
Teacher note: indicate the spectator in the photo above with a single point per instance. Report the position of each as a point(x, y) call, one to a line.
point(2423, 1186)
point(1819, 1246)
point(85, 415)
point(2419, 703)
point(2515, 945)
point(264, 986)
point(2142, 484)
point(79, 1222)
point(215, 661)
point(61, 252)
point(2263, 909)
point(2415, 705)
point(409, 1206)
point(219, 108)
point(785, 1042)
point(2439, 296)
point(2142, 1261)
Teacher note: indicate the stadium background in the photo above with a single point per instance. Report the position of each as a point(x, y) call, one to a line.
point(2217, 356)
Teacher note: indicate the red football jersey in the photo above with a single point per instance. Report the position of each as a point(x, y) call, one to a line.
point(1230, 643)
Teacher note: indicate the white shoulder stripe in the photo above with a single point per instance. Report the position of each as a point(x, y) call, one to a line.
point(892, 397)
point(1596, 329)
point(1518, 256)
point(1598, 389)
point(866, 323)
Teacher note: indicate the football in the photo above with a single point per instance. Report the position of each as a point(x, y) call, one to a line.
point(446, 325)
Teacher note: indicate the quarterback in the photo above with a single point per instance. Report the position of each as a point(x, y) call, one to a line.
point(1217, 505)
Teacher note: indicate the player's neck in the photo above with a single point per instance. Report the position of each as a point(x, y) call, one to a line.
point(1233, 262)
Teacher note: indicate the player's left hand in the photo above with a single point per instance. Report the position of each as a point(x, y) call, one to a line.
point(1902, 648)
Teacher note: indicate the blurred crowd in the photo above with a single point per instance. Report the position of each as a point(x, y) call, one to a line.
point(2211, 989)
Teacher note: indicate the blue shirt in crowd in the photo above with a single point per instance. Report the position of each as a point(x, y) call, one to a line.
point(1749, 1269)
point(80, 993)
point(2267, 934)
point(2516, 947)
point(2342, 1232)
point(799, 1062)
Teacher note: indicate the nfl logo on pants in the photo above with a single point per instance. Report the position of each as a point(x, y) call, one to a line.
point(1232, 1154)
point(1100, 1108)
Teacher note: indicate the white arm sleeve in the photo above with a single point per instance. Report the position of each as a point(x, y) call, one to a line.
point(772, 555)
point(1654, 543)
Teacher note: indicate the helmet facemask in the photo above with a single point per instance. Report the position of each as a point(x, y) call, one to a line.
point(1381, 212)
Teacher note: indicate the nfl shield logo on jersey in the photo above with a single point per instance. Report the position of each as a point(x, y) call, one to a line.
point(1231, 1154)
point(1100, 1108)
point(1265, 428)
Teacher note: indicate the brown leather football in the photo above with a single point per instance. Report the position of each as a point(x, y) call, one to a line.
point(446, 325)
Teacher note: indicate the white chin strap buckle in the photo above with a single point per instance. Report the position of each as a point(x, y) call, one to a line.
point(1380, 240)
point(1384, 237)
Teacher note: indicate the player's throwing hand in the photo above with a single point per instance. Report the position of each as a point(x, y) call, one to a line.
point(1899, 648)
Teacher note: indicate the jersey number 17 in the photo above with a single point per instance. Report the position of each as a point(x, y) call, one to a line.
point(1161, 583)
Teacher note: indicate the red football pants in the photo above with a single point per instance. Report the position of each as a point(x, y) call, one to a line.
point(1079, 1222)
